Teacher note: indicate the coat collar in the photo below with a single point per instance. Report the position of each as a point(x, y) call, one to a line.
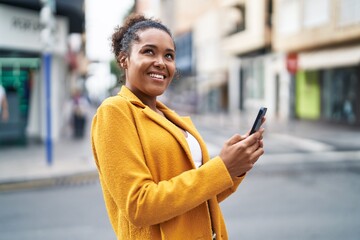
point(170, 123)
point(130, 96)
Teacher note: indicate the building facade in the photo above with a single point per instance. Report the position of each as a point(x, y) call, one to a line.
point(300, 58)
point(21, 70)
point(324, 39)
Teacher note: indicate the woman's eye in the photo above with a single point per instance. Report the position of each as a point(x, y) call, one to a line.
point(149, 51)
point(170, 56)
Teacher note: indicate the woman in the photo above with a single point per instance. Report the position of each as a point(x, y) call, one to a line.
point(156, 175)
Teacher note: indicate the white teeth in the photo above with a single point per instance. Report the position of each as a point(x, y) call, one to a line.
point(156, 76)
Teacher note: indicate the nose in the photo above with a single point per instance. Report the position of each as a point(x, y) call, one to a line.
point(159, 63)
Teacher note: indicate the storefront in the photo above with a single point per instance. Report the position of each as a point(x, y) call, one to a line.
point(340, 95)
point(21, 74)
point(261, 80)
point(17, 80)
point(328, 86)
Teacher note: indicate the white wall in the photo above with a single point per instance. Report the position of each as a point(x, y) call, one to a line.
point(207, 42)
point(275, 64)
point(234, 85)
point(37, 116)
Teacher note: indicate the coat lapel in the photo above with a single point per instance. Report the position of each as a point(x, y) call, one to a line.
point(169, 123)
point(171, 127)
point(188, 126)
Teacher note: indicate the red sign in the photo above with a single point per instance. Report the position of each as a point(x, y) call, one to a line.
point(292, 62)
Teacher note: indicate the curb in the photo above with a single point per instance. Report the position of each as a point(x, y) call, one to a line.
point(83, 178)
point(351, 158)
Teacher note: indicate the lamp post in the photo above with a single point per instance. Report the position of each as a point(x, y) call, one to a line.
point(47, 21)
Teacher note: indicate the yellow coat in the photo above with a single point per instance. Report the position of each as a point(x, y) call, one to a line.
point(151, 187)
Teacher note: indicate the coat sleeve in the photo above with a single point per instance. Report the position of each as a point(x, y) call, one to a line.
point(223, 195)
point(125, 175)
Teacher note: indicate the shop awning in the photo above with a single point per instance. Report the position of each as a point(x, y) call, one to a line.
point(72, 9)
point(17, 63)
point(338, 57)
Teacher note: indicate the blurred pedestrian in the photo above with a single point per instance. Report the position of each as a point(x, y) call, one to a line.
point(4, 108)
point(79, 114)
point(156, 175)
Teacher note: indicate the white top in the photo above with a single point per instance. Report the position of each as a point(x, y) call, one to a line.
point(2, 95)
point(194, 149)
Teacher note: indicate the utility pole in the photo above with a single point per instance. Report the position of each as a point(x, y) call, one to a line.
point(47, 21)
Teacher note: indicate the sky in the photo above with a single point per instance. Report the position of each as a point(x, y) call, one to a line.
point(101, 19)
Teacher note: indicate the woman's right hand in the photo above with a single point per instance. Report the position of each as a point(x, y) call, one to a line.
point(240, 153)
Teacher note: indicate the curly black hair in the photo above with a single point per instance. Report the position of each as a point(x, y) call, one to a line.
point(124, 35)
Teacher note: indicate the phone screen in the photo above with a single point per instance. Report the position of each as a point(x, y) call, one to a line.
point(257, 122)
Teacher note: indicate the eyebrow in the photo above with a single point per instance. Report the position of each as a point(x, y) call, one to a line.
point(154, 46)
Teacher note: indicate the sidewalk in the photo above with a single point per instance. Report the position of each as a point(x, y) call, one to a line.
point(26, 167)
point(315, 133)
point(287, 141)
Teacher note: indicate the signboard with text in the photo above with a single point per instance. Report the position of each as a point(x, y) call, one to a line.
point(20, 29)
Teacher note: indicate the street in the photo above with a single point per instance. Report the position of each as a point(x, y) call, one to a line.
point(299, 198)
point(64, 212)
point(300, 202)
point(274, 202)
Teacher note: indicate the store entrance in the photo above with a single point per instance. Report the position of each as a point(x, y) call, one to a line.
point(16, 79)
point(340, 95)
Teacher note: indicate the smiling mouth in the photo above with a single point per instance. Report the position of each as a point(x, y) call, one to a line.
point(157, 76)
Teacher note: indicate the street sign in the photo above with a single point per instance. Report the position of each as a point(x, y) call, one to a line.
point(292, 62)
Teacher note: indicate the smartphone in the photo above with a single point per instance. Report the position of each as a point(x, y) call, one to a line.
point(257, 122)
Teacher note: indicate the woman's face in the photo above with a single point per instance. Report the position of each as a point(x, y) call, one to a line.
point(151, 64)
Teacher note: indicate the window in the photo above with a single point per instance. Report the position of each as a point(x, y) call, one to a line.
point(349, 12)
point(289, 19)
point(236, 18)
point(340, 90)
point(316, 13)
point(184, 53)
point(254, 78)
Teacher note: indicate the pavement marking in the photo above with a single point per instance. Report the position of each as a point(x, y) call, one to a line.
point(324, 157)
point(328, 155)
point(306, 144)
point(299, 143)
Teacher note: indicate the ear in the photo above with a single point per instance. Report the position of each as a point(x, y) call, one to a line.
point(122, 60)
